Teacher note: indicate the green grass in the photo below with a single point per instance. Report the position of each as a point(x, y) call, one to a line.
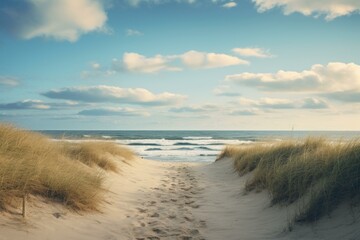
point(30, 163)
point(321, 172)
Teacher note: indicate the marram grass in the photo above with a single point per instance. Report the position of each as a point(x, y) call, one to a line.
point(321, 173)
point(30, 163)
point(98, 154)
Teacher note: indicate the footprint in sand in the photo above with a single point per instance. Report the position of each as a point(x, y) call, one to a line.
point(168, 213)
point(154, 215)
point(159, 231)
point(186, 238)
point(194, 232)
point(141, 210)
point(57, 215)
point(152, 203)
point(202, 223)
point(153, 238)
point(152, 222)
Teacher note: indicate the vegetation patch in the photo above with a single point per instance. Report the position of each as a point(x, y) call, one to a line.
point(321, 172)
point(31, 163)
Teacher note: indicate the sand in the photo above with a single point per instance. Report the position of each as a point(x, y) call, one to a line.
point(157, 200)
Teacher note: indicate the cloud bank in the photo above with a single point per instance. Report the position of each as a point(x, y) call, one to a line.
point(252, 52)
point(229, 5)
point(26, 104)
point(103, 93)
point(135, 62)
point(58, 19)
point(8, 81)
point(29, 104)
point(125, 112)
point(196, 109)
point(278, 103)
point(335, 80)
point(331, 9)
point(195, 59)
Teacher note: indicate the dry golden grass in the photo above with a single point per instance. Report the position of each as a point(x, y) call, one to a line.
point(100, 154)
point(33, 164)
point(326, 173)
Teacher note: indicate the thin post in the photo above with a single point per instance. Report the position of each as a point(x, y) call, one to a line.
point(24, 206)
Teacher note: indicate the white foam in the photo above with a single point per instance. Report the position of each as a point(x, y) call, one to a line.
point(187, 150)
point(196, 138)
point(200, 150)
point(106, 137)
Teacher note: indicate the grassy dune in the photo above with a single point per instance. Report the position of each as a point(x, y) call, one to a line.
point(30, 163)
point(320, 173)
point(99, 154)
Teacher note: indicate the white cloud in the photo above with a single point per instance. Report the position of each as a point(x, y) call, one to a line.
point(279, 103)
point(195, 59)
point(333, 77)
point(329, 8)
point(26, 104)
point(135, 62)
point(38, 105)
point(8, 81)
point(58, 19)
point(245, 112)
point(133, 32)
point(252, 52)
point(226, 91)
point(112, 111)
point(314, 103)
point(103, 93)
point(95, 66)
point(275, 103)
point(196, 109)
point(229, 5)
point(136, 3)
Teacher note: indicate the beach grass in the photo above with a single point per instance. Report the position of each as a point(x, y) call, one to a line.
point(99, 154)
point(321, 173)
point(31, 163)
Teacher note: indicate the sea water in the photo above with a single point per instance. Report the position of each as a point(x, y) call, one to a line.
point(190, 146)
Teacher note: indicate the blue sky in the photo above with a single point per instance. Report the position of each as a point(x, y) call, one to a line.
point(247, 64)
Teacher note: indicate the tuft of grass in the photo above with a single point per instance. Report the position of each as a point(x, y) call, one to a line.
point(30, 163)
point(323, 173)
point(101, 154)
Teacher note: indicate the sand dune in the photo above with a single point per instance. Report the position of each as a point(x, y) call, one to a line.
point(157, 200)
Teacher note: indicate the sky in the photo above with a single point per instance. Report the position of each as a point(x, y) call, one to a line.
point(180, 65)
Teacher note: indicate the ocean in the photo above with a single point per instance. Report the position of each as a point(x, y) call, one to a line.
point(190, 146)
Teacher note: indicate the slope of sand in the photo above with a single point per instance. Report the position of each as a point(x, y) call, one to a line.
point(230, 214)
point(156, 200)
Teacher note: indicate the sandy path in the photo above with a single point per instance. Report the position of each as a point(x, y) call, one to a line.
point(166, 211)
